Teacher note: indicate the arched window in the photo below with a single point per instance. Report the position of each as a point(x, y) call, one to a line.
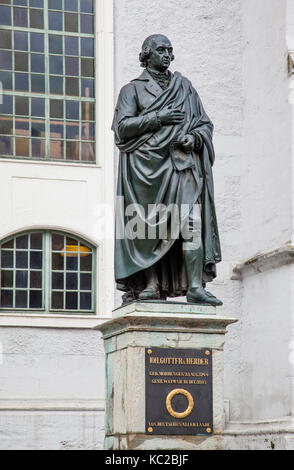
point(47, 271)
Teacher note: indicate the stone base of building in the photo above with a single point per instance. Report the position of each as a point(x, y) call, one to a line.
point(263, 435)
point(157, 325)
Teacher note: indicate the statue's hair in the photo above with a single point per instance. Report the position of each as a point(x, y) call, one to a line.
point(146, 49)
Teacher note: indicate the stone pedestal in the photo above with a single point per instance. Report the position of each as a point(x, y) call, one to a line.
point(165, 325)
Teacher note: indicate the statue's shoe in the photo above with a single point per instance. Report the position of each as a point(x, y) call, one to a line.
point(128, 298)
point(150, 293)
point(198, 295)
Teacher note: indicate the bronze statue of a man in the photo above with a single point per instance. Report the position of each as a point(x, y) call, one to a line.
point(166, 158)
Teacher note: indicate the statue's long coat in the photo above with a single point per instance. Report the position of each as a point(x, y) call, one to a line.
point(147, 175)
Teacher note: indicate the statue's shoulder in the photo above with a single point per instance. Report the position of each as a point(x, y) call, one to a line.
point(127, 89)
point(186, 82)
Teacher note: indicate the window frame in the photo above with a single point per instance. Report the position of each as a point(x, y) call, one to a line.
point(47, 276)
point(47, 96)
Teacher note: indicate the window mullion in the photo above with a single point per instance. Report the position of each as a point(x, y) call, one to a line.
point(46, 271)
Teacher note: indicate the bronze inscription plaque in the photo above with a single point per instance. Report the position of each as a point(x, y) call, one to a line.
point(178, 391)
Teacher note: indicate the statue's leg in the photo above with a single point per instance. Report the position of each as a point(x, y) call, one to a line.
point(193, 256)
point(151, 291)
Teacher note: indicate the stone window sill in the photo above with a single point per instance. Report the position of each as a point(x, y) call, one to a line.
point(39, 320)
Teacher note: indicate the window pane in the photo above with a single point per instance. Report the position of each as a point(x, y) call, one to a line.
point(57, 149)
point(71, 263)
point(36, 259)
point(6, 79)
point(57, 280)
point(7, 279)
point(56, 65)
point(6, 146)
point(71, 300)
point(55, 44)
point(72, 150)
point(57, 262)
point(36, 279)
point(72, 110)
point(57, 242)
point(20, 17)
point(21, 106)
point(56, 129)
point(72, 86)
point(87, 6)
point(37, 42)
point(6, 126)
point(88, 131)
point(21, 61)
point(55, 5)
point(57, 300)
point(71, 66)
point(87, 47)
point(38, 128)
point(21, 259)
point(85, 301)
point(6, 296)
point(38, 148)
point(21, 279)
point(22, 127)
point(21, 82)
point(37, 3)
point(22, 242)
point(87, 68)
point(88, 111)
point(88, 152)
point(56, 85)
point(35, 299)
point(72, 130)
point(71, 45)
point(86, 263)
point(38, 83)
point(38, 107)
point(5, 15)
point(71, 5)
point(71, 22)
point(56, 109)
point(5, 60)
point(36, 241)
point(87, 88)
point(55, 20)
point(21, 40)
point(87, 24)
point(22, 149)
point(71, 281)
point(5, 38)
point(36, 19)
point(21, 299)
point(85, 281)
point(6, 106)
point(38, 63)
point(20, 2)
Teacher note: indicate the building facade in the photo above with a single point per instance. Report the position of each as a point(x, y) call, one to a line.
point(62, 64)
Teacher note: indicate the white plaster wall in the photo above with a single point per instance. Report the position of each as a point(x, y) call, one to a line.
point(51, 389)
point(261, 374)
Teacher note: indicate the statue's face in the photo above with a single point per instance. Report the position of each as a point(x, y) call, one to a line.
point(161, 53)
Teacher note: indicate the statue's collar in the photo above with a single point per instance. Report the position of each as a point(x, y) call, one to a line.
point(145, 76)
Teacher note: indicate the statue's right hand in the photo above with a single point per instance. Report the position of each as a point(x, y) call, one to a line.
point(169, 116)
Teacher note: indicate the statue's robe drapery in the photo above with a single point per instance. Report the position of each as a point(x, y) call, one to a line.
point(147, 175)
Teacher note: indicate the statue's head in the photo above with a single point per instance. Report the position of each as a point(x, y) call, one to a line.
point(157, 52)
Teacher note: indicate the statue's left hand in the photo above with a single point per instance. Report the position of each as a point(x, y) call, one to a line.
point(188, 142)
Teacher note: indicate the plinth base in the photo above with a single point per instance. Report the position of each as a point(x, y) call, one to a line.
point(158, 325)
